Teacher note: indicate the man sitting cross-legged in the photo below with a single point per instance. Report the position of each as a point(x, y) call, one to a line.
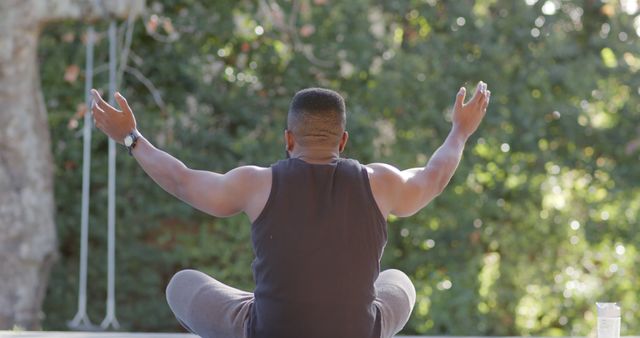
point(318, 224)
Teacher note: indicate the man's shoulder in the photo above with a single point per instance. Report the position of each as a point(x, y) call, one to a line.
point(381, 170)
point(250, 174)
point(383, 178)
point(251, 169)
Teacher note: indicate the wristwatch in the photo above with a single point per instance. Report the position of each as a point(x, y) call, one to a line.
point(130, 140)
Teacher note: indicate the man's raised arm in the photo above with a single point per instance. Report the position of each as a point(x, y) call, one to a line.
point(216, 194)
point(403, 193)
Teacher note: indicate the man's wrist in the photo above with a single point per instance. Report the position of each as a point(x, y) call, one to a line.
point(459, 134)
point(131, 140)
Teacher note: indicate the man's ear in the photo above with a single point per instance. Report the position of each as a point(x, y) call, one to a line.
point(343, 141)
point(289, 140)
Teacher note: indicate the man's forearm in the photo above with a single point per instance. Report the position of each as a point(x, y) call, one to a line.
point(445, 160)
point(163, 168)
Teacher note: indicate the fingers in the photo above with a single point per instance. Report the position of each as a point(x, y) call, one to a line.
point(476, 95)
point(478, 89)
point(98, 115)
point(122, 102)
point(95, 109)
point(98, 106)
point(480, 97)
point(460, 98)
point(486, 102)
point(100, 102)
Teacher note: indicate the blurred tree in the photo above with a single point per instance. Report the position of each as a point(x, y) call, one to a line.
point(28, 244)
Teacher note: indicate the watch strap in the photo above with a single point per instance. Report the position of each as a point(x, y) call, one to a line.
point(134, 140)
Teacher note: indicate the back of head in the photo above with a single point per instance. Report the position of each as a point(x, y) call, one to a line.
point(317, 117)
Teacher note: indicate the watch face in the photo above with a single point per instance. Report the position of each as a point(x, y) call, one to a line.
point(128, 140)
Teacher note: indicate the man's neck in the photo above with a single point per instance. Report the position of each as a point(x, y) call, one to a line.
point(316, 156)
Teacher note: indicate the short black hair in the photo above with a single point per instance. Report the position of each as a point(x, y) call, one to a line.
point(317, 116)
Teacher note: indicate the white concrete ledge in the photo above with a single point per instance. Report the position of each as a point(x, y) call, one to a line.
point(73, 334)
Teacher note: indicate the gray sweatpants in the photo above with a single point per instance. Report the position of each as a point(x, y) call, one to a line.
point(208, 308)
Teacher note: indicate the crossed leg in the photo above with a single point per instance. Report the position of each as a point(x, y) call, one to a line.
point(207, 307)
point(211, 309)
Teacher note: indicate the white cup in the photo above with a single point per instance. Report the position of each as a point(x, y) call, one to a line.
point(608, 320)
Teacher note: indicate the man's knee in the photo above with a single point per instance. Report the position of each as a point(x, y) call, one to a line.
point(179, 279)
point(178, 287)
point(400, 279)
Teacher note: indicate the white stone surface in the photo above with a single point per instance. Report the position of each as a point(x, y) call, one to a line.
point(68, 334)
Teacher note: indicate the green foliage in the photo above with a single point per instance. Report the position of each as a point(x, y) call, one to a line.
point(539, 222)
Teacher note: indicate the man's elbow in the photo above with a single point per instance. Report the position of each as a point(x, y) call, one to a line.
point(440, 187)
point(439, 182)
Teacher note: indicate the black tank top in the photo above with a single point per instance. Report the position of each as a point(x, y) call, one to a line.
point(318, 244)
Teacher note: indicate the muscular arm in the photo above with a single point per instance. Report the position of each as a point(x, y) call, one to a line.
point(403, 193)
point(216, 194)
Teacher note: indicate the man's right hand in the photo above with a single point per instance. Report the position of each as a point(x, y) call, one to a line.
point(113, 122)
point(467, 117)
